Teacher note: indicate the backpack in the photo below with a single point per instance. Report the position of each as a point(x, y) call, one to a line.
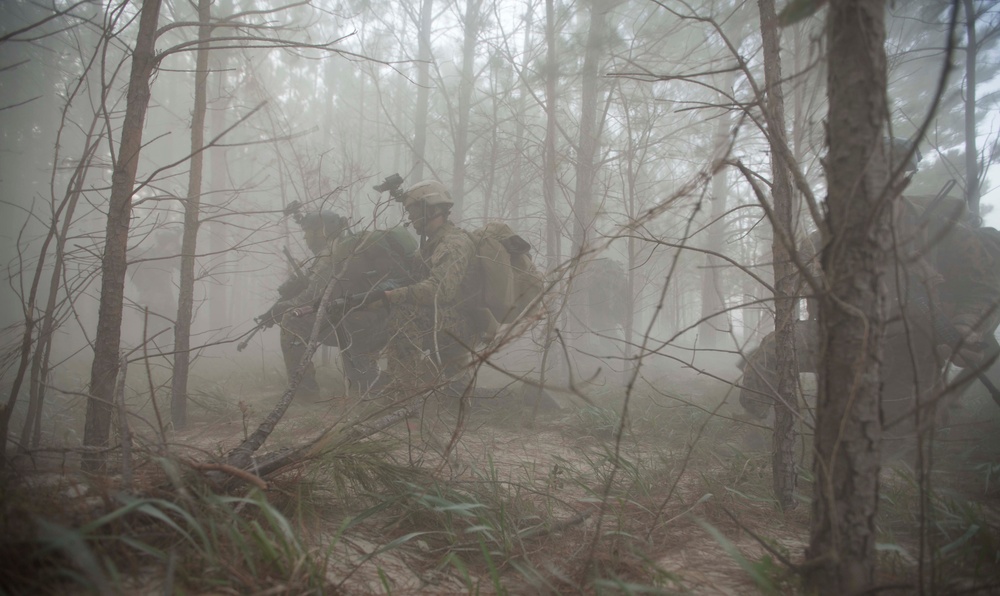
point(371, 257)
point(508, 280)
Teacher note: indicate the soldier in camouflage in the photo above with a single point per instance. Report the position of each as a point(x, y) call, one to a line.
point(944, 287)
point(321, 231)
point(431, 332)
point(949, 280)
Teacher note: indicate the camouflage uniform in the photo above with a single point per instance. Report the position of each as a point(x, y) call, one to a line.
point(295, 330)
point(760, 378)
point(954, 267)
point(960, 273)
point(430, 331)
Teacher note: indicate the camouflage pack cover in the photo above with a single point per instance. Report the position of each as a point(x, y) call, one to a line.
point(363, 261)
point(510, 281)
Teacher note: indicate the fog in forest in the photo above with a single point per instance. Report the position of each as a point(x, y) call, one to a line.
point(633, 145)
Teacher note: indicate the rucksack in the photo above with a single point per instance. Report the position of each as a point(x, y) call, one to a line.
point(370, 257)
point(508, 279)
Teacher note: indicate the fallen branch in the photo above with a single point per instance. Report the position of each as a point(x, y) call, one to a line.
point(558, 526)
point(242, 456)
point(329, 440)
point(247, 477)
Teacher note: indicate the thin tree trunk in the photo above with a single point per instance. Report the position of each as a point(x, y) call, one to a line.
point(583, 200)
point(972, 189)
point(712, 303)
point(222, 306)
point(192, 216)
point(857, 239)
point(786, 405)
point(465, 88)
point(423, 89)
point(491, 173)
point(517, 177)
point(104, 370)
point(549, 162)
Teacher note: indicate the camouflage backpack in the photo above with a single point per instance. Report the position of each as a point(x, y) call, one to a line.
point(509, 280)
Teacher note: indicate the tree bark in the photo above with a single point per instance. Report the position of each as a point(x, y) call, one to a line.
point(786, 407)
point(550, 159)
point(857, 240)
point(712, 303)
point(583, 196)
point(104, 369)
point(972, 189)
point(466, 85)
point(423, 88)
point(520, 113)
point(192, 217)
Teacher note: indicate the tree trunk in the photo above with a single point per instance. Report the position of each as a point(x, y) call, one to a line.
point(517, 177)
point(549, 163)
point(972, 189)
point(465, 87)
point(631, 269)
point(104, 370)
point(857, 239)
point(583, 196)
point(223, 309)
point(712, 303)
point(423, 89)
point(786, 405)
point(192, 216)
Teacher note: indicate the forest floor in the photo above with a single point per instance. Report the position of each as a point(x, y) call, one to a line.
point(547, 501)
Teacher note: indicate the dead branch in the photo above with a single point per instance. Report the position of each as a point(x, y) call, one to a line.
point(247, 477)
point(558, 526)
point(327, 441)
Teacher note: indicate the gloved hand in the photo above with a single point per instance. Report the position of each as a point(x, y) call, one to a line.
point(269, 318)
point(968, 352)
point(368, 299)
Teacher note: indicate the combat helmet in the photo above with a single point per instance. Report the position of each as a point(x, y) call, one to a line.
point(330, 222)
point(431, 192)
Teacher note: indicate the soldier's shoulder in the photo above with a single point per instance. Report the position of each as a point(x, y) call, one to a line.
point(456, 236)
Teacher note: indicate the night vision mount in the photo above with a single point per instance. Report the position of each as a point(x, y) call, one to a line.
point(393, 185)
point(295, 210)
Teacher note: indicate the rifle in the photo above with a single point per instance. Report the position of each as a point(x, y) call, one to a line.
point(243, 344)
point(338, 309)
point(290, 289)
point(286, 291)
point(264, 321)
